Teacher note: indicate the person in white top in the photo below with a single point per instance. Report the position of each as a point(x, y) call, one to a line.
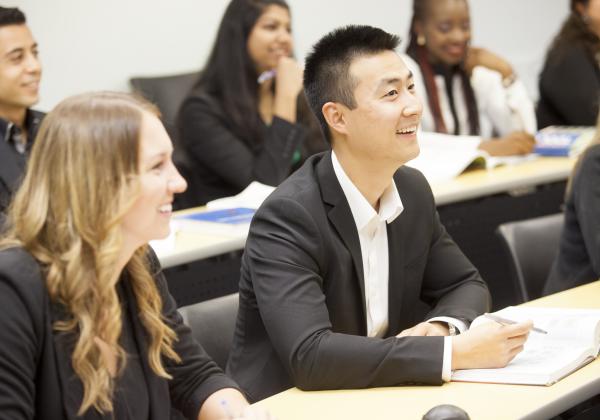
point(466, 90)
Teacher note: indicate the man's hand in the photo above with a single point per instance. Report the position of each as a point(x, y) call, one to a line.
point(490, 345)
point(434, 328)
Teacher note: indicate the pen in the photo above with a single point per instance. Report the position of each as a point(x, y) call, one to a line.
point(505, 321)
point(266, 75)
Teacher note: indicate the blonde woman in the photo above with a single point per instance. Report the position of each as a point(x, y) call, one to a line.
point(578, 260)
point(87, 326)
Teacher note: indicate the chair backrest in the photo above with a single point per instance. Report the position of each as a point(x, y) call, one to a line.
point(212, 323)
point(168, 93)
point(531, 247)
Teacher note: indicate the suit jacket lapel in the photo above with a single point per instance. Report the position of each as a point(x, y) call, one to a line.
point(158, 389)
point(396, 273)
point(340, 216)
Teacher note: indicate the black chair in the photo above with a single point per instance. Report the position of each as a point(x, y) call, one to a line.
point(168, 93)
point(531, 246)
point(212, 323)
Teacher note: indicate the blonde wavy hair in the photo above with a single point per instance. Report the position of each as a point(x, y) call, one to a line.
point(80, 181)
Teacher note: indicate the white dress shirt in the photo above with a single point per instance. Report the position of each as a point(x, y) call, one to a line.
point(372, 234)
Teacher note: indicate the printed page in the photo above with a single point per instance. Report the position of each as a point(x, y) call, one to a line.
point(571, 338)
point(563, 324)
point(252, 197)
point(444, 156)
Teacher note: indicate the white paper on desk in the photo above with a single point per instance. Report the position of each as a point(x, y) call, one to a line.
point(572, 340)
point(252, 197)
point(445, 156)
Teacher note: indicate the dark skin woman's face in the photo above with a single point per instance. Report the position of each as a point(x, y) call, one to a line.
point(447, 31)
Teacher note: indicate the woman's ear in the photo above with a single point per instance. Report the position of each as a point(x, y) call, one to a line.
point(418, 30)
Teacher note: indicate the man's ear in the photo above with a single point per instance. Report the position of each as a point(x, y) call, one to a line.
point(334, 114)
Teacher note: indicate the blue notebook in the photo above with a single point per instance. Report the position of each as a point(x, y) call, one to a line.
point(563, 140)
point(235, 216)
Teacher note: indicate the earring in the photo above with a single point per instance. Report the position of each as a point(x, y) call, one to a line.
point(421, 40)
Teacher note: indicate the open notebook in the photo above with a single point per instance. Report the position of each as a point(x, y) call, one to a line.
point(573, 340)
point(444, 156)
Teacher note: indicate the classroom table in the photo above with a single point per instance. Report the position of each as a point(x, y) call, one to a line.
point(471, 206)
point(480, 401)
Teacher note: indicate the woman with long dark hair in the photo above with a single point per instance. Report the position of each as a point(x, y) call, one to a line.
point(246, 119)
point(466, 90)
point(570, 80)
point(88, 329)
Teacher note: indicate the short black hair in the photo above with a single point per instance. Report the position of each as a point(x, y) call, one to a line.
point(327, 69)
point(11, 16)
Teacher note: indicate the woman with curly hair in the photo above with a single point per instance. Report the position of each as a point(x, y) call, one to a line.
point(87, 326)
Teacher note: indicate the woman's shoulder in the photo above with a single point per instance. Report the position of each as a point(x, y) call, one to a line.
point(18, 264)
point(200, 97)
point(22, 273)
point(568, 55)
point(590, 161)
point(200, 102)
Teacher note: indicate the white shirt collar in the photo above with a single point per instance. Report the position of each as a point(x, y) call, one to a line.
point(390, 204)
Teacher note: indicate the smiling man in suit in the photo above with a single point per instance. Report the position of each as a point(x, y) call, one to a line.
point(20, 73)
point(343, 255)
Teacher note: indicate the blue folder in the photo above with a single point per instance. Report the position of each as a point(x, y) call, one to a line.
point(234, 216)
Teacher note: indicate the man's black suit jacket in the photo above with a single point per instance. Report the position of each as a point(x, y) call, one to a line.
point(302, 320)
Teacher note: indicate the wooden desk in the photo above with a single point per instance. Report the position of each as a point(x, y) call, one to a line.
point(471, 206)
point(192, 246)
point(481, 401)
point(480, 183)
point(201, 266)
point(475, 184)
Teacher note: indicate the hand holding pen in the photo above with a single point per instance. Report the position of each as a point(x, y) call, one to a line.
point(489, 345)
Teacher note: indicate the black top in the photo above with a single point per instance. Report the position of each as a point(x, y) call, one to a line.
point(569, 88)
point(301, 320)
point(37, 380)
point(131, 400)
point(219, 159)
point(12, 157)
point(578, 259)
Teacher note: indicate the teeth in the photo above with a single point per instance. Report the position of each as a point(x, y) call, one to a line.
point(167, 208)
point(408, 130)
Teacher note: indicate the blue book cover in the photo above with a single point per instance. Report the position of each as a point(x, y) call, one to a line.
point(562, 141)
point(234, 216)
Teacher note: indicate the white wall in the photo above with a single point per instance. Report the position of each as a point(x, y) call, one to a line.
point(99, 44)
